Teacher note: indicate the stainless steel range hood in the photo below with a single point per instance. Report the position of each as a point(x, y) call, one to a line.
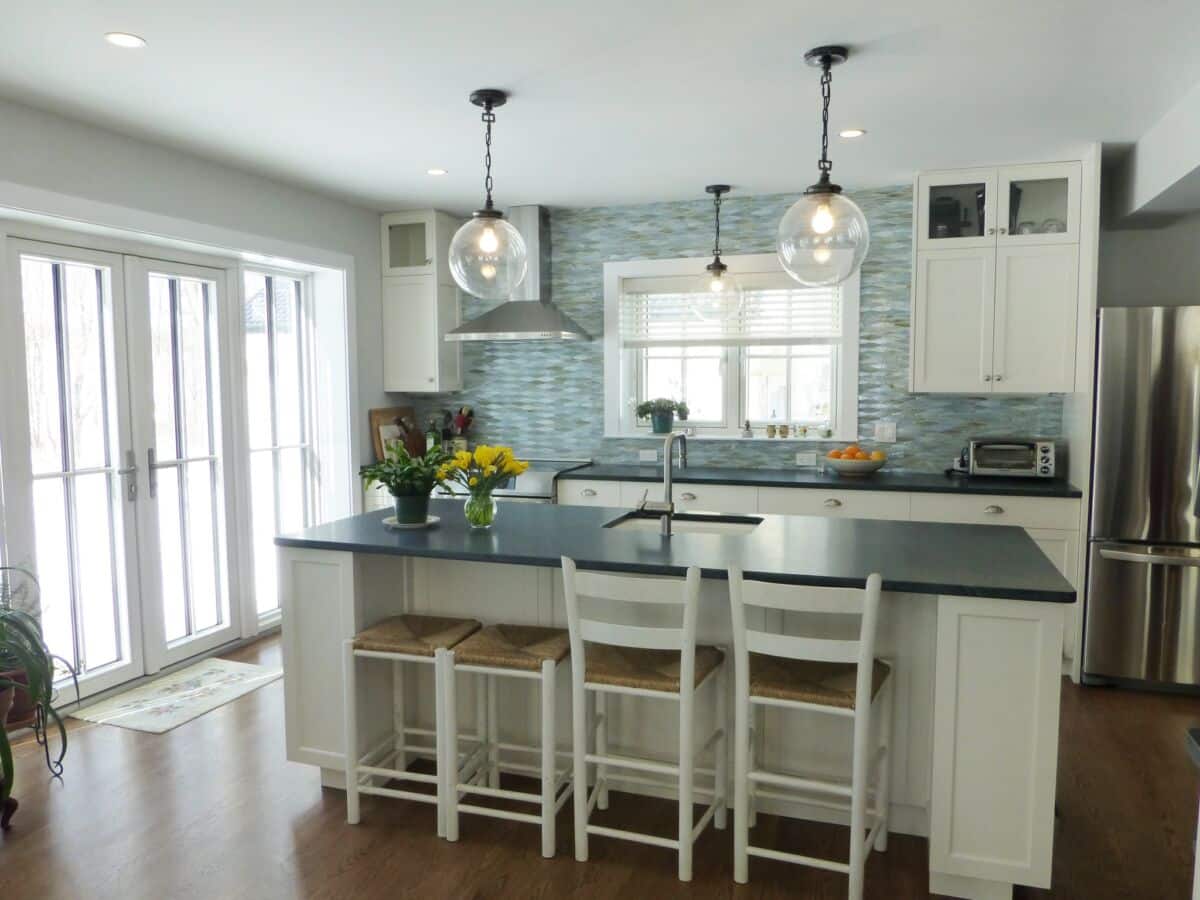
point(530, 316)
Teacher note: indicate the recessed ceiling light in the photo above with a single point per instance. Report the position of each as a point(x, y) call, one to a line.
point(852, 132)
point(435, 171)
point(125, 40)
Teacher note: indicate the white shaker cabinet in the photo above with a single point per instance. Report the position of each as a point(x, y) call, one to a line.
point(996, 280)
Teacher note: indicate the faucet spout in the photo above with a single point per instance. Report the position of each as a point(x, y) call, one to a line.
point(668, 459)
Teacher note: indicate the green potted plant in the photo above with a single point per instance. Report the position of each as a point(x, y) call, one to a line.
point(410, 480)
point(27, 665)
point(662, 413)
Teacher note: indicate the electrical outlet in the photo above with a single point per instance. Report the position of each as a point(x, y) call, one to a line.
point(806, 458)
point(648, 456)
point(885, 432)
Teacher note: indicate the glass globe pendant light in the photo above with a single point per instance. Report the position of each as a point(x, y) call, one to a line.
point(717, 280)
point(487, 255)
point(823, 239)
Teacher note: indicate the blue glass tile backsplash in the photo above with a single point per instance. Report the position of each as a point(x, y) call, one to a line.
point(547, 399)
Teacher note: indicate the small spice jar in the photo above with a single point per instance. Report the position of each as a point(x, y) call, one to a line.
point(770, 429)
point(783, 430)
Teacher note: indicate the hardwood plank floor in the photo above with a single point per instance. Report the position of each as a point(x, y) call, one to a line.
point(212, 810)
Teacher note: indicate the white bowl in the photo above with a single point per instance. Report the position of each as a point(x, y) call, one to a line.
point(855, 466)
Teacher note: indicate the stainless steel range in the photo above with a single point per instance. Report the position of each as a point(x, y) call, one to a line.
point(537, 484)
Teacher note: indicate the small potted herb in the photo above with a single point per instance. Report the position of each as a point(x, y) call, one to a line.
point(409, 479)
point(662, 413)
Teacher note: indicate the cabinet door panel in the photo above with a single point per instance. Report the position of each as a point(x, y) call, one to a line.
point(1038, 204)
point(1036, 303)
point(956, 209)
point(410, 334)
point(952, 321)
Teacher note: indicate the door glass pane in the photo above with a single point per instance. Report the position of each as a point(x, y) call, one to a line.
point(406, 245)
point(50, 525)
point(170, 555)
point(195, 354)
point(96, 585)
point(202, 555)
point(1037, 206)
point(956, 210)
point(85, 365)
point(258, 361)
point(41, 364)
point(262, 498)
point(288, 394)
point(162, 360)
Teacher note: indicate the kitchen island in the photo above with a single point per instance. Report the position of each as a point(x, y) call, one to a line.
point(972, 619)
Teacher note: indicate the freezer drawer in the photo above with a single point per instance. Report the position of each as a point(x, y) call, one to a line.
point(1142, 618)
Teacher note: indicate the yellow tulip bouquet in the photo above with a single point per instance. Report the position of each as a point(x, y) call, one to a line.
point(481, 473)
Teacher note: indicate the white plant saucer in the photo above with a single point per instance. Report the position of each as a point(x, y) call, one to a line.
point(430, 521)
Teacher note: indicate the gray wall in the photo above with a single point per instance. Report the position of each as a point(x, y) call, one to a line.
point(547, 399)
point(1151, 266)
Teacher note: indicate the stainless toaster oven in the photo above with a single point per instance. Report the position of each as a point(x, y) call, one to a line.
point(1017, 457)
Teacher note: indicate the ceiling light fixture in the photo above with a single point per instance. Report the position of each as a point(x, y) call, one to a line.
point(824, 237)
point(718, 281)
point(487, 255)
point(435, 171)
point(125, 40)
point(852, 132)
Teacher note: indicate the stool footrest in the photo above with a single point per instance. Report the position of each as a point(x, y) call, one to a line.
point(635, 836)
point(813, 861)
point(499, 813)
point(398, 794)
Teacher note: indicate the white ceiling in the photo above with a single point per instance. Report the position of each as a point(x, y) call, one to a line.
point(619, 101)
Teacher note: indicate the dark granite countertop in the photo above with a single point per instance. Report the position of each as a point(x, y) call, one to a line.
point(926, 482)
point(913, 557)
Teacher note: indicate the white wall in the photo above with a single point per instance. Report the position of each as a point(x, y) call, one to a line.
point(1151, 266)
point(48, 152)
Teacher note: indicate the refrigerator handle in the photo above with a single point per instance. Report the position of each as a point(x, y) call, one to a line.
point(1151, 558)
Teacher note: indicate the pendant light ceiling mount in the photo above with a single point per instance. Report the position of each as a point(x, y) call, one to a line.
point(825, 58)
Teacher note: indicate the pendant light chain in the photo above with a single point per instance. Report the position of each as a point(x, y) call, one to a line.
point(826, 81)
point(488, 118)
point(717, 214)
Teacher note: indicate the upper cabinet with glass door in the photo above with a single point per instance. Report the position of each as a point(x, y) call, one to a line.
point(1014, 205)
point(417, 242)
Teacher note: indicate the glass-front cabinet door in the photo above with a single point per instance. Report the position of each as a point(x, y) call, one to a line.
point(956, 210)
point(409, 240)
point(1039, 204)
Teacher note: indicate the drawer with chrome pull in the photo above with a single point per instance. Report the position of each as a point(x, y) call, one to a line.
point(995, 509)
point(589, 493)
point(722, 498)
point(846, 504)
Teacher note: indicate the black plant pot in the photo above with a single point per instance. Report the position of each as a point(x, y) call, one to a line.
point(411, 509)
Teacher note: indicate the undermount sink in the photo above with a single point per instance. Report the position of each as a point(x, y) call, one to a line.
point(687, 523)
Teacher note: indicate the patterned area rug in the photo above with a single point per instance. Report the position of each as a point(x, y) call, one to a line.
point(174, 699)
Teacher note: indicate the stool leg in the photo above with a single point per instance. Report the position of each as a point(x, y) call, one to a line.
point(687, 741)
point(883, 790)
point(449, 680)
point(858, 798)
point(398, 714)
point(439, 739)
point(757, 724)
point(579, 741)
point(602, 748)
point(549, 768)
point(721, 763)
point(350, 721)
point(481, 732)
point(493, 732)
point(741, 784)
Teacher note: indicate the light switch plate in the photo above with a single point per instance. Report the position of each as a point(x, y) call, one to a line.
point(806, 458)
point(648, 455)
point(885, 432)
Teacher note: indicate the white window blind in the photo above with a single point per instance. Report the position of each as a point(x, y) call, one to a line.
point(773, 309)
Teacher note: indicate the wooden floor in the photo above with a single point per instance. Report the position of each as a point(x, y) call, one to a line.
point(211, 810)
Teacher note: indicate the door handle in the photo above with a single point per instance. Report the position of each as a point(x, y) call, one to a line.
point(151, 472)
point(1151, 557)
point(130, 471)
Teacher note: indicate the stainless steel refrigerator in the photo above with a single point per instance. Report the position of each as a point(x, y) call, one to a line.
point(1143, 599)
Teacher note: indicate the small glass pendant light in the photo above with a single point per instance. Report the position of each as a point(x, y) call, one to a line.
point(823, 239)
point(488, 257)
point(717, 281)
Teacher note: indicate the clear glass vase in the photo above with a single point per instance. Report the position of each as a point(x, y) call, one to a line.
point(480, 510)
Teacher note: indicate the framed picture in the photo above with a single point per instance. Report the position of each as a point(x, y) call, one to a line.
point(385, 426)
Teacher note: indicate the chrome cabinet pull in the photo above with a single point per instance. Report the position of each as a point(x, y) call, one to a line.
point(999, 378)
point(130, 471)
point(151, 473)
point(993, 510)
point(833, 503)
point(991, 231)
point(588, 492)
point(687, 495)
point(987, 377)
point(1004, 231)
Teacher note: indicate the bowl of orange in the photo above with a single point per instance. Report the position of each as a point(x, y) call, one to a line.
point(855, 460)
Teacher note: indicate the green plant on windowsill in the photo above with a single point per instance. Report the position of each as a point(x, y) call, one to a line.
point(409, 479)
point(27, 665)
point(662, 412)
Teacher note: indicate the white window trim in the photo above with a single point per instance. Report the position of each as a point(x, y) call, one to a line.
point(618, 372)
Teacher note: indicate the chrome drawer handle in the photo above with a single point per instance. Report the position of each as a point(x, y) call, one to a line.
point(993, 510)
point(833, 503)
point(991, 231)
point(687, 495)
point(589, 492)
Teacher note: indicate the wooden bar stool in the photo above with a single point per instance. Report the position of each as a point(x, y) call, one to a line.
point(643, 661)
point(836, 677)
point(514, 651)
point(400, 639)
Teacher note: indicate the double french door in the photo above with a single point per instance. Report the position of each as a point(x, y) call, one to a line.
point(127, 444)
